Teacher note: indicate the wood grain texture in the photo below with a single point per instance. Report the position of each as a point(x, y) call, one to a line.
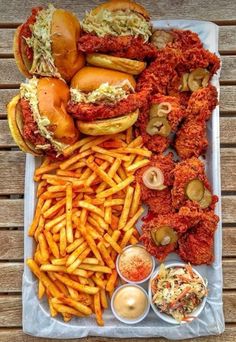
point(12, 245)
point(11, 76)
point(11, 276)
point(17, 335)
point(227, 99)
point(12, 248)
point(12, 168)
point(218, 11)
point(226, 40)
point(227, 132)
point(13, 208)
point(10, 315)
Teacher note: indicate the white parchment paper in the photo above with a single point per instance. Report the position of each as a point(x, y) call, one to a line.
point(36, 317)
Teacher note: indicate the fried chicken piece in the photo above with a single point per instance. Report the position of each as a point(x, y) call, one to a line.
point(198, 58)
point(184, 172)
point(161, 71)
point(185, 39)
point(191, 139)
point(172, 221)
point(123, 46)
point(202, 102)
point(156, 142)
point(89, 111)
point(166, 165)
point(161, 203)
point(196, 246)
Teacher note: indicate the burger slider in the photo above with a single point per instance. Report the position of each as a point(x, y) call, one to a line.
point(38, 120)
point(120, 28)
point(46, 44)
point(104, 101)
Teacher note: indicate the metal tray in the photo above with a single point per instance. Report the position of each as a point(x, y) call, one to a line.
point(36, 317)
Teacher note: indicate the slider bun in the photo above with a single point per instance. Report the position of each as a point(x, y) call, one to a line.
point(53, 95)
point(15, 123)
point(90, 78)
point(122, 5)
point(116, 63)
point(108, 126)
point(17, 53)
point(65, 33)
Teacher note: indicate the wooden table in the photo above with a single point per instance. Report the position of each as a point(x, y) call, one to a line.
point(12, 161)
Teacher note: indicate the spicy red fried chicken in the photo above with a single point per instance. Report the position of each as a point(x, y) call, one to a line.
point(155, 181)
point(160, 235)
point(156, 123)
point(191, 184)
point(191, 139)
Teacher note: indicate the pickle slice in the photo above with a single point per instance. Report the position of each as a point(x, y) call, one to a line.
point(206, 199)
point(159, 126)
point(195, 190)
point(164, 236)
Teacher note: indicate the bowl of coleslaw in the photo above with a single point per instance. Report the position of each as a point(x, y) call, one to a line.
point(177, 292)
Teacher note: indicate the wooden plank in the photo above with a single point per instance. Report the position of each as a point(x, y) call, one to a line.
point(11, 275)
point(229, 242)
point(227, 99)
point(11, 213)
point(6, 41)
point(226, 40)
point(217, 11)
point(5, 96)
point(10, 206)
point(11, 306)
point(17, 335)
point(227, 132)
point(6, 139)
point(12, 168)
point(228, 169)
point(12, 245)
point(13, 164)
point(11, 76)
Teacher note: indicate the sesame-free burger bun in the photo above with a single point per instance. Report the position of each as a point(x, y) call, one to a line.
point(115, 5)
point(65, 33)
point(108, 126)
point(90, 78)
point(127, 65)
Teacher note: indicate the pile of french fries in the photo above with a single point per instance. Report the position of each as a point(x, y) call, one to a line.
point(85, 215)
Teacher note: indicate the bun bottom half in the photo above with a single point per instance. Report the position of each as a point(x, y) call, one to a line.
point(15, 123)
point(108, 126)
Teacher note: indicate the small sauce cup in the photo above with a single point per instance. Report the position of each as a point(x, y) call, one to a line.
point(135, 265)
point(130, 304)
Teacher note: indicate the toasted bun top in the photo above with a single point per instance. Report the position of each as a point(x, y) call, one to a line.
point(53, 95)
point(122, 5)
point(90, 78)
point(65, 32)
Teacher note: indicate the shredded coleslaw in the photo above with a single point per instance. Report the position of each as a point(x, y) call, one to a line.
point(178, 291)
